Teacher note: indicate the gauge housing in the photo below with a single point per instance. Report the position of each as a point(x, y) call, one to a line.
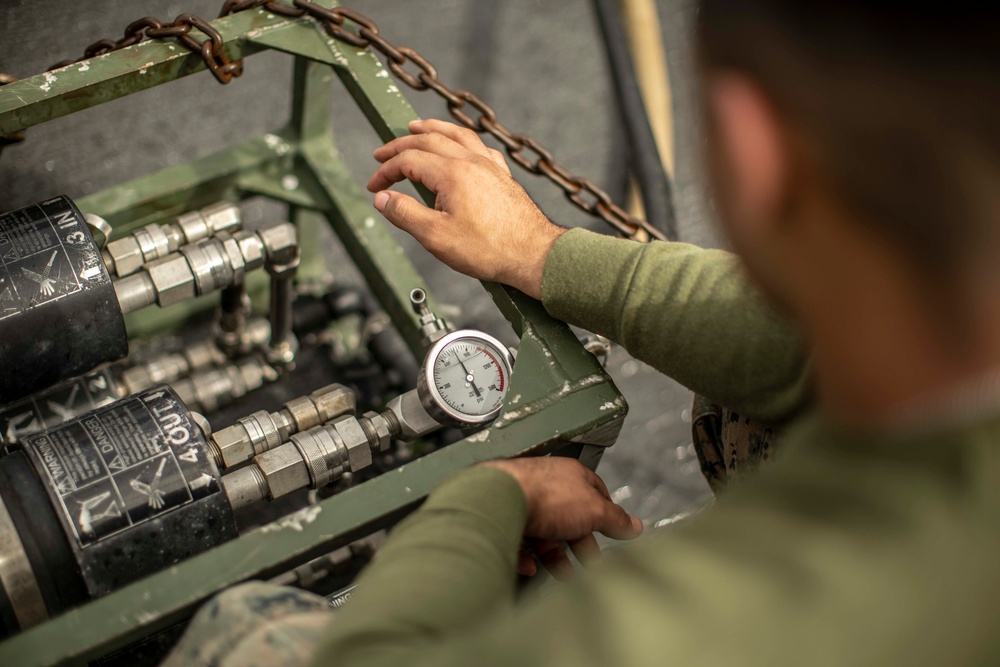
point(430, 396)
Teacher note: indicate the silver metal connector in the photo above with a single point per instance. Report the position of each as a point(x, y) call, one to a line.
point(128, 254)
point(263, 431)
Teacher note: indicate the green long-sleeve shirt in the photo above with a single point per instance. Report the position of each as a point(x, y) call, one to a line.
point(849, 549)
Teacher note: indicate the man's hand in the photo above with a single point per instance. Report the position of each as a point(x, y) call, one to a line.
point(483, 224)
point(566, 502)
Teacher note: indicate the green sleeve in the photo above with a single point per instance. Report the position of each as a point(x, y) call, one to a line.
point(848, 553)
point(688, 312)
point(443, 571)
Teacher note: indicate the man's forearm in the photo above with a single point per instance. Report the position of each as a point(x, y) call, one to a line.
point(687, 311)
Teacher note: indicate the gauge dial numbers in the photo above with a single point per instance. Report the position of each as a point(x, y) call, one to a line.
point(466, 376)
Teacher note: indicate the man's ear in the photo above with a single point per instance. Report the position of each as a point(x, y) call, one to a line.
point(750, 150)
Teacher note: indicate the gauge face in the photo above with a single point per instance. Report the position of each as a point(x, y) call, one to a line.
point(467, 376)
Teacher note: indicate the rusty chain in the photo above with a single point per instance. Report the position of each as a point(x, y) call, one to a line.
point(180, 29)
point(522, 149)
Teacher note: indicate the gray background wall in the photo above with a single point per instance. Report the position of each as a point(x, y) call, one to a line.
point(538, 62)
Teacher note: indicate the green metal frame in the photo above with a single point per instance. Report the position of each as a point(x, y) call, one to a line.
point(560, 398)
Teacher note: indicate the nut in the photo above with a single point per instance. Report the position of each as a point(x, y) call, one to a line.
point(284, 469)
point(303, 412)
point(136, 379)
point(172, 278)
point(359, 450)
point(333, 401)
point(234, 445)
point(252, 249)
point(232, 251)
point(281, 242)
point(221, 216)
point(253, 374)
point(380, 428)
point(201, 355)
point(153, 242)
point(193, 226)
point(127, 255)
point(414, 421)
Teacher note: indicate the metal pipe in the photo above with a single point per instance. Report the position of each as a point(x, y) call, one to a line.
point(135, 292)
point(657, 193)
point(283, 341)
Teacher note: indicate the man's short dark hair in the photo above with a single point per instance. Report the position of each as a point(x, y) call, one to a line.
point(899, 106)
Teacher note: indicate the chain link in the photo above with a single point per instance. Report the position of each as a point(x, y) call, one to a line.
point(465, 107)
point(210, 50)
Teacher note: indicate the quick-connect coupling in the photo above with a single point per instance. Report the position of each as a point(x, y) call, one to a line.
point(263, 431)
point(128, 254)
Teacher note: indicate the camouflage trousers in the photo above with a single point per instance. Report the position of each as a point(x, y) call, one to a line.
point(253, 625)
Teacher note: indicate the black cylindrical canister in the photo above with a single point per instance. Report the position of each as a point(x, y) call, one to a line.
point(107, 498)
point(59, 316)
point(55, 405)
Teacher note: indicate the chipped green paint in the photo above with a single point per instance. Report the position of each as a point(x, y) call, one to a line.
point(559, 393)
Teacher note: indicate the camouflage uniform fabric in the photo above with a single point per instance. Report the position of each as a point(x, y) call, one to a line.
point(253, 625)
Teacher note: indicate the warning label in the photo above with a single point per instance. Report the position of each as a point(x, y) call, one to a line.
point(124, 464)
point(46, 253)
point(55, 406)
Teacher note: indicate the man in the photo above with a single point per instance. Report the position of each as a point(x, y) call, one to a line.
point(854, 152)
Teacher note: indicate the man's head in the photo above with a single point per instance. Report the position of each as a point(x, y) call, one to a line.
point(883, 116)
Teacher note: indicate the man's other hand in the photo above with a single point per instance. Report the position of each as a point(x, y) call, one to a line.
point(484, 224)
point(566, 502)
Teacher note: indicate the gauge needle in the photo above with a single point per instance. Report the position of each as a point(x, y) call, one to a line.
point(468, 376)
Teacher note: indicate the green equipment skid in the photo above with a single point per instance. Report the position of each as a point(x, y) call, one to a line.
point(560, 397)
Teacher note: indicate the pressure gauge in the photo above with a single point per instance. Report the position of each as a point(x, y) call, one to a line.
point(464, 379)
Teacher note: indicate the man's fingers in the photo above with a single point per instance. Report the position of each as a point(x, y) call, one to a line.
point(526, 563)
point(554, 559)
point(419, 166)
point(598, 483)
point(618, 524)
point(429, 143)
point(464, 136)
point(406, 212)
point(460, 135)
point(585, 549)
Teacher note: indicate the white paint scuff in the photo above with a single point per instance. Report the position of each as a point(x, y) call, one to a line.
point(295, 521)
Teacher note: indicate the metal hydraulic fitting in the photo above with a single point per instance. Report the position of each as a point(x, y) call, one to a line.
point(311, 459)
point(411, 418)
point(173, 366)
point(198, 356)
point(281, 245)
point(201, 268)
point(320, 455)
point(234, 313)
point(432, 327)
point(380, 429)
point(263, 431)
point(283, 470)
point(211, 389)
point(127, 255)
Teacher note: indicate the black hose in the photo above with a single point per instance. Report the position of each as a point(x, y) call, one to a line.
point(654, 185)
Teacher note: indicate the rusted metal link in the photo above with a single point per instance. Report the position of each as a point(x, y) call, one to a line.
point(378, 42)
point(284, 10)
point(522, 149)
point(148, 27)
